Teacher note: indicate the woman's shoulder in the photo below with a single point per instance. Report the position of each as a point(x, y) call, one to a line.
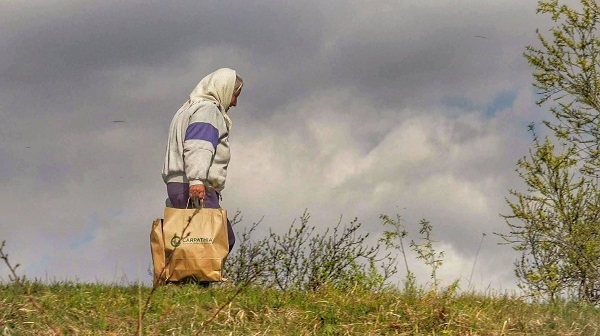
point(206, 104)
point(207, 111)
point(205, 107)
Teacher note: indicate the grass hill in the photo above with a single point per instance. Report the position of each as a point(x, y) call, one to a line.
point(34, 308)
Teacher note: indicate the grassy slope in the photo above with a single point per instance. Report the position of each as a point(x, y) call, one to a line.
point(94, 309)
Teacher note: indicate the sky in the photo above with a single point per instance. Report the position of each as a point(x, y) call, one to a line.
point(349, 108)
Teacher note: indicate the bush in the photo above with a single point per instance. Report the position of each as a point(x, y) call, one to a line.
point(303, 259)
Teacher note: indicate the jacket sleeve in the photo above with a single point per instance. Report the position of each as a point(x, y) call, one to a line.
point(202, 136)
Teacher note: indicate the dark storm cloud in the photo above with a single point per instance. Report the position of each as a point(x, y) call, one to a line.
point(419, 54)
point(349, 108)
point(393, 54)
point(66, 44)
point(83, 60)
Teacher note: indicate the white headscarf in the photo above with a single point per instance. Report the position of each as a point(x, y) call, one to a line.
point(218, 87)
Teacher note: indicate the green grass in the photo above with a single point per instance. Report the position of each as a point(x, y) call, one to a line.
point(98, 309)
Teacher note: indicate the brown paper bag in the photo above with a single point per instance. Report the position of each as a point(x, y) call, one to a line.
point(196, 250)
point(157, 248)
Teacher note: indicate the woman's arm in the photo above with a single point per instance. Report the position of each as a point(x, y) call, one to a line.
point(199, 146)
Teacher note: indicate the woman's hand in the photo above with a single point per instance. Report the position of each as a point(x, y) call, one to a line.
point(197, 191)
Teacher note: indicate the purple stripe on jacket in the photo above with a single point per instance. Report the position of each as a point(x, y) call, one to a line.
point(203, 131)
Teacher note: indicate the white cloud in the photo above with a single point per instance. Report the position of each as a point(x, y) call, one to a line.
point(343, 112)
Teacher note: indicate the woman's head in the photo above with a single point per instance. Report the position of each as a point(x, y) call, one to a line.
point(222, 86)
point(237, 89)
point(238, 84)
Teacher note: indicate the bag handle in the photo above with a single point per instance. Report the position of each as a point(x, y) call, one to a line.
point(198, 203)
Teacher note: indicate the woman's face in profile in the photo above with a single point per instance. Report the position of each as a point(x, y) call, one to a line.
point(234, 98)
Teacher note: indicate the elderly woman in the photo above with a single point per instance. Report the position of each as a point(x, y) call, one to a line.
point(198, 148)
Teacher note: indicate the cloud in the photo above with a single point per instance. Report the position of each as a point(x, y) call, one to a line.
point(430, 165)
point(347, 110)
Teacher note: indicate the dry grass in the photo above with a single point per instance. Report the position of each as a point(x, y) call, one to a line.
point(95, 309)
point(70, 308)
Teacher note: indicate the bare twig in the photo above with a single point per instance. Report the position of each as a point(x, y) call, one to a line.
point(237, 292)
point(162, 272)
point(18, 281)
point(161, 320)
point(476, 255)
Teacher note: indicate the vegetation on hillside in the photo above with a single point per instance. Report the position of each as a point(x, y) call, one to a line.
point(113, 309)
point(555, 222)
point(356, 302)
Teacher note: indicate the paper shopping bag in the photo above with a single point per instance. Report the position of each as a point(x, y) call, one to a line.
point(157, 248)
point(194, 243)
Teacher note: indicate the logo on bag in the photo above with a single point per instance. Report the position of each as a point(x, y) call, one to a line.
point(176, 240)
